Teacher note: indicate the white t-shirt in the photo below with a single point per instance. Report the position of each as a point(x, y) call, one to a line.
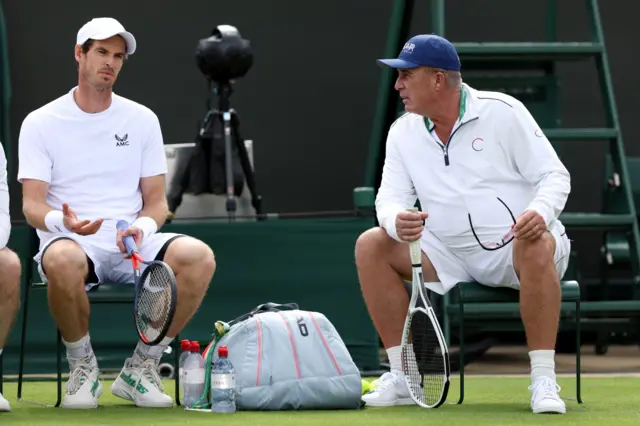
point(93, 162)
point(5, 219)
point(496, 150)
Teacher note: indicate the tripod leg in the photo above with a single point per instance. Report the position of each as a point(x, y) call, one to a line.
point(179, 183)
point(256, 199)
point(231, 198)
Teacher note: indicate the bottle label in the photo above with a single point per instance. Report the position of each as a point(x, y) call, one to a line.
point(223, 381)
point(193, 376)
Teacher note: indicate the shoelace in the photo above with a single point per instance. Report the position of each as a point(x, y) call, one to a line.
point(150, 373)
point(546, 387)
point(78, 376)
point(386, 380)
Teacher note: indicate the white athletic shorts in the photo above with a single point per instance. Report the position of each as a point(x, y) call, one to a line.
point(490, 268)
point(106, 262)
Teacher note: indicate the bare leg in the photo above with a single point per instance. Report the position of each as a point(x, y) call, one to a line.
point(540, 301)
point(66, 267)
point(382, 264)
point(193, 263)
point(9, 292)
point(540, 295)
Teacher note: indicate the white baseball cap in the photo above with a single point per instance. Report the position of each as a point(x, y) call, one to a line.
point(104, 28)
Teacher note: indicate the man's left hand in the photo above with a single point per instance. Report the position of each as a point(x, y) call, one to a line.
point(137, 237)
point(530, 225)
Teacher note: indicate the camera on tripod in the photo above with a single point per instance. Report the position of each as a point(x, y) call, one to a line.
point(219, 163)
point(224, 56)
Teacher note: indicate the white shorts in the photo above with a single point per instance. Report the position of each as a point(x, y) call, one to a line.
point(106, 262)
point(490, 268)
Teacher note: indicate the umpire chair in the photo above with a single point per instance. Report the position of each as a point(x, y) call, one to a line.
point(106, 293)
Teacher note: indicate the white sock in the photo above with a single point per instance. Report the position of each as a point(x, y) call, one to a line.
point(395, 358)
point(80, 350)
point(144, 352)
point(0, 351)
point(542, 364)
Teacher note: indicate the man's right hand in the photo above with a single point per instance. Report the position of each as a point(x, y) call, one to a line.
point(409, 225)
point(80, 227)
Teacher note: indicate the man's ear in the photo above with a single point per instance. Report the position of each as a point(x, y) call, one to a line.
point(77, 51)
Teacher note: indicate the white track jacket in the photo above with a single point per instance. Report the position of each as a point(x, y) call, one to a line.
point(496, 150)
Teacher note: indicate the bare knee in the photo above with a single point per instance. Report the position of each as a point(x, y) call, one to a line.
point(191, 257)
point(65, 263)
point(10, 271)
point(371, 244)
point(535, 255)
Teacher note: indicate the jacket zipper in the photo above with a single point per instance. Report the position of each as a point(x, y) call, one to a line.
point(445, 148)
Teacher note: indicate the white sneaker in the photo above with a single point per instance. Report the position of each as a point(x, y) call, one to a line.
point(391, 389)
point(4, 404)
point(545, 398)
point(83, 387)
point(142, 385)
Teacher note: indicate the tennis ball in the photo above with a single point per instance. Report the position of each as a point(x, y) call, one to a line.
point(365, 386)
point(373, 384)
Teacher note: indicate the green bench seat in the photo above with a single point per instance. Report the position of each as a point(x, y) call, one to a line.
point(470, 299)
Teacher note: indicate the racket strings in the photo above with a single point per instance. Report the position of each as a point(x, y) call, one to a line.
point(423, 361)
point(154, 302)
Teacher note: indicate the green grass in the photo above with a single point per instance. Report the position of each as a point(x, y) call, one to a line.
point(491, 401)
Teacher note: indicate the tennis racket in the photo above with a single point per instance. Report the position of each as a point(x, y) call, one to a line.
point(156, 294)
point(425, 357)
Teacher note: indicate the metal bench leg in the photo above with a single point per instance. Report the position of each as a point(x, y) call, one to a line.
point(23, 333)
point(59, 363)
point(578, 342)
point(461, 339)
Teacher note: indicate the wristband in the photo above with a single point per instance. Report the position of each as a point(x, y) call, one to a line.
point(54, 221)
point(147, 225)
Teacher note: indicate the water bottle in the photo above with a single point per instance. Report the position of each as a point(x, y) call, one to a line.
point(185, 347)
point(193, 376)
point(223, 383)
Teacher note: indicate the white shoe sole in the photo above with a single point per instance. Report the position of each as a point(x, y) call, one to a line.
point(120, 393)
point(401, 401)
point(550, 410)
point(82, 406)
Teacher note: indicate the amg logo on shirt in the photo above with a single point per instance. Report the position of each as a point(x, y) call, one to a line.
point(122, 141)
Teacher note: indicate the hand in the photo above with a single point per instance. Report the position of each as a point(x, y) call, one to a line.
point(530, 225)
point(80, 227)
point(137, 237)
point(409, 225)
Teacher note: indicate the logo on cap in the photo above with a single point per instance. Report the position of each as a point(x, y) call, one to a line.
point(408, 47)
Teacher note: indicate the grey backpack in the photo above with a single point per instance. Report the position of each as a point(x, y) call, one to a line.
point(286, 359)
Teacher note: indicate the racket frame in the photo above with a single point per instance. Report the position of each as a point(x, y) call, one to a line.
point(417, 291)
point(139, 278)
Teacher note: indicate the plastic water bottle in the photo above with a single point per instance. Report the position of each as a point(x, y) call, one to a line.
point(185, 347)
point(193, 376)
point(223, 383)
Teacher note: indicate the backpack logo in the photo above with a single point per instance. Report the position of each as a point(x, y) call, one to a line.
point(302, 326)
point(122, 141)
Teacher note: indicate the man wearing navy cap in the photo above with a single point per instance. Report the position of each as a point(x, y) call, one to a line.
point(491, 188)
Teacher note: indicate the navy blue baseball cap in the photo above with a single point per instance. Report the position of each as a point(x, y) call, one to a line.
point(428, 50)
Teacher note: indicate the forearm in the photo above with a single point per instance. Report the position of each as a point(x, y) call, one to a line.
point(157, 211)
point(35, 213)
point(551, 195)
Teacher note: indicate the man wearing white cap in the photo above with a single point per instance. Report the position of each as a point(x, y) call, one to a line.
point(87, 160)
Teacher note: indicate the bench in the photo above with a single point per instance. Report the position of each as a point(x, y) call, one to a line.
point(470, 300)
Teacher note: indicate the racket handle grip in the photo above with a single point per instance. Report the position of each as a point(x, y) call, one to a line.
point(128, 241)
point(414, 246)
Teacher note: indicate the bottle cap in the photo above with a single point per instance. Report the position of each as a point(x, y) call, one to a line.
point(223, 351)
point(185, 345)
point(195, 347)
